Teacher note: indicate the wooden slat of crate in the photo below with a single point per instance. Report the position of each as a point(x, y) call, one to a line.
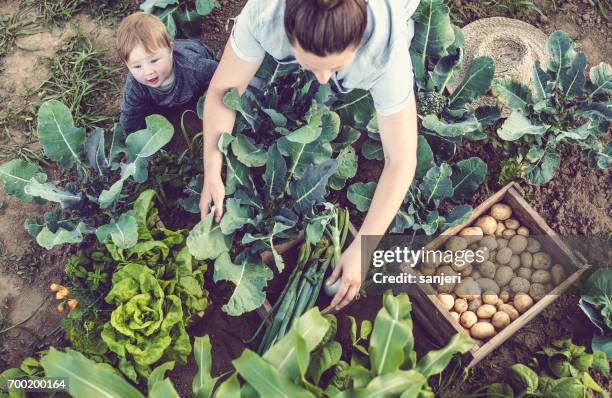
point(437, 320)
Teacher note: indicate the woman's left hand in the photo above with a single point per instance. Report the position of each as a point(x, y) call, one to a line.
point(349, 270)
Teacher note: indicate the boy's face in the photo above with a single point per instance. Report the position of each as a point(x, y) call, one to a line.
point(150, 69)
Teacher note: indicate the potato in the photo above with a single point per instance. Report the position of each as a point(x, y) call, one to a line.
point(468, 319)
point(537, 291)
point(526, 259)
point(519, 285)
point(482, 330)
point(522, 231)
point(499, 230)
point(476, 275)
point(500, 320)
point(457, 243)
point(541, 260)
point(512, 223)
point(454, 315)
point(504, 296)
point(428, 271)
point(524, 273)
point(472, 234)
point(490, 298)
point(474, 305)
point(487, 284)
point(487, 269)
point(533, 245)
point(503, 256)
point(487, 224)
point(503, 275)
point(445, 287)
point(522, 302)
point(510, 310)
point(459, 266)
point(501, 211)
point(558, 274)
point(541, 276)
point(486, 311)
point(515, 262)
point(461, 305)
point(468, 289)
point(489, 242)
point(481, 254)
point(447, 301)
point(518, 244)
point(508, 233)
point(501, 243)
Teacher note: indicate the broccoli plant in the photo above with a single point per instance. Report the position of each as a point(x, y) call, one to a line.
point(561, 107)
point(107, 168)
point(179, 16)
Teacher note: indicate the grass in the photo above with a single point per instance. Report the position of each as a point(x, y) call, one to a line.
point(55, 12)
point(83, 80)
point(14, 26)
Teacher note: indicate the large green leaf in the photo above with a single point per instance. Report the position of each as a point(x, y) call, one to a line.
point(434, 33)
point(163, 389)
point(475, 84)
point(49, 191)
point(437, 184)
point(85, 377)
point(408, 383)
point(451, 129)
point(435, 361)
point(206, 241)
point(517, 125)
point(330, 125)
point(468, 175)
point(310, 189)
point(235, 216)
point(158, 374)
point(95, 152)
point(276, 173)
point(323, 359)
point(304, 155)
point(124, 232)
point(145, 143)
point(48, 239)
point(249, 279)
point(15, 175)
point(203, 382)
point(239, 103)
point(356, 107)
point(309, 132)
point(540, 80)
point(445, 70)
point(523, 378)
point(312, 327)
point(360, 194)
point(247, 152)
point(205, 7)
point(561, 53)
point(425, 157)
point(601, 78)
point(266, 379)
point(61, 140)
point(573, 80)
point(372, 150)
point(392, 335)
point(514, 94)
point(230, 388)
point(544, 169)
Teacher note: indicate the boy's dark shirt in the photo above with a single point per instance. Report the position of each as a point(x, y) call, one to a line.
point(193, 64)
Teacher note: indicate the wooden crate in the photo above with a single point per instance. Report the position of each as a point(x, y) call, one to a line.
point(436, 320)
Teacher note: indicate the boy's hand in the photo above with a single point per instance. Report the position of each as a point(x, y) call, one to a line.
point(213, 192)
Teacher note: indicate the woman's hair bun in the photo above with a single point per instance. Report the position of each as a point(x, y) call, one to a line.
point(329, 4)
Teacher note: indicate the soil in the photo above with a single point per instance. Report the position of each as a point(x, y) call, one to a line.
point(575, 202)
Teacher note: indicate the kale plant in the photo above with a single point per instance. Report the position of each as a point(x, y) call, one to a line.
point(561, 107)
point(103, 169)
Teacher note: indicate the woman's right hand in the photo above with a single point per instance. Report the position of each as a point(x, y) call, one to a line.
point(213, 192)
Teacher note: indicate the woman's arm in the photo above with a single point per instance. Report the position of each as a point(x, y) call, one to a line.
point(232, 72)
point(398, 133)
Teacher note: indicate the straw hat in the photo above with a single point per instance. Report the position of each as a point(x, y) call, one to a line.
point(514, 45)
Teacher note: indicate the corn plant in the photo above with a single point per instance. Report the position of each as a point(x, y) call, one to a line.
point(106, 167)
point(561, 107)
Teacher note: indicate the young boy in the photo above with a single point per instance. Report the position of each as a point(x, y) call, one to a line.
point(163, 73)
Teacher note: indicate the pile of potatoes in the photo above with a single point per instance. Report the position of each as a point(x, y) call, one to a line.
point(514, 274)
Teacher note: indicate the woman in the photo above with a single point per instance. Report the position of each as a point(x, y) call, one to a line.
point(353, 43)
